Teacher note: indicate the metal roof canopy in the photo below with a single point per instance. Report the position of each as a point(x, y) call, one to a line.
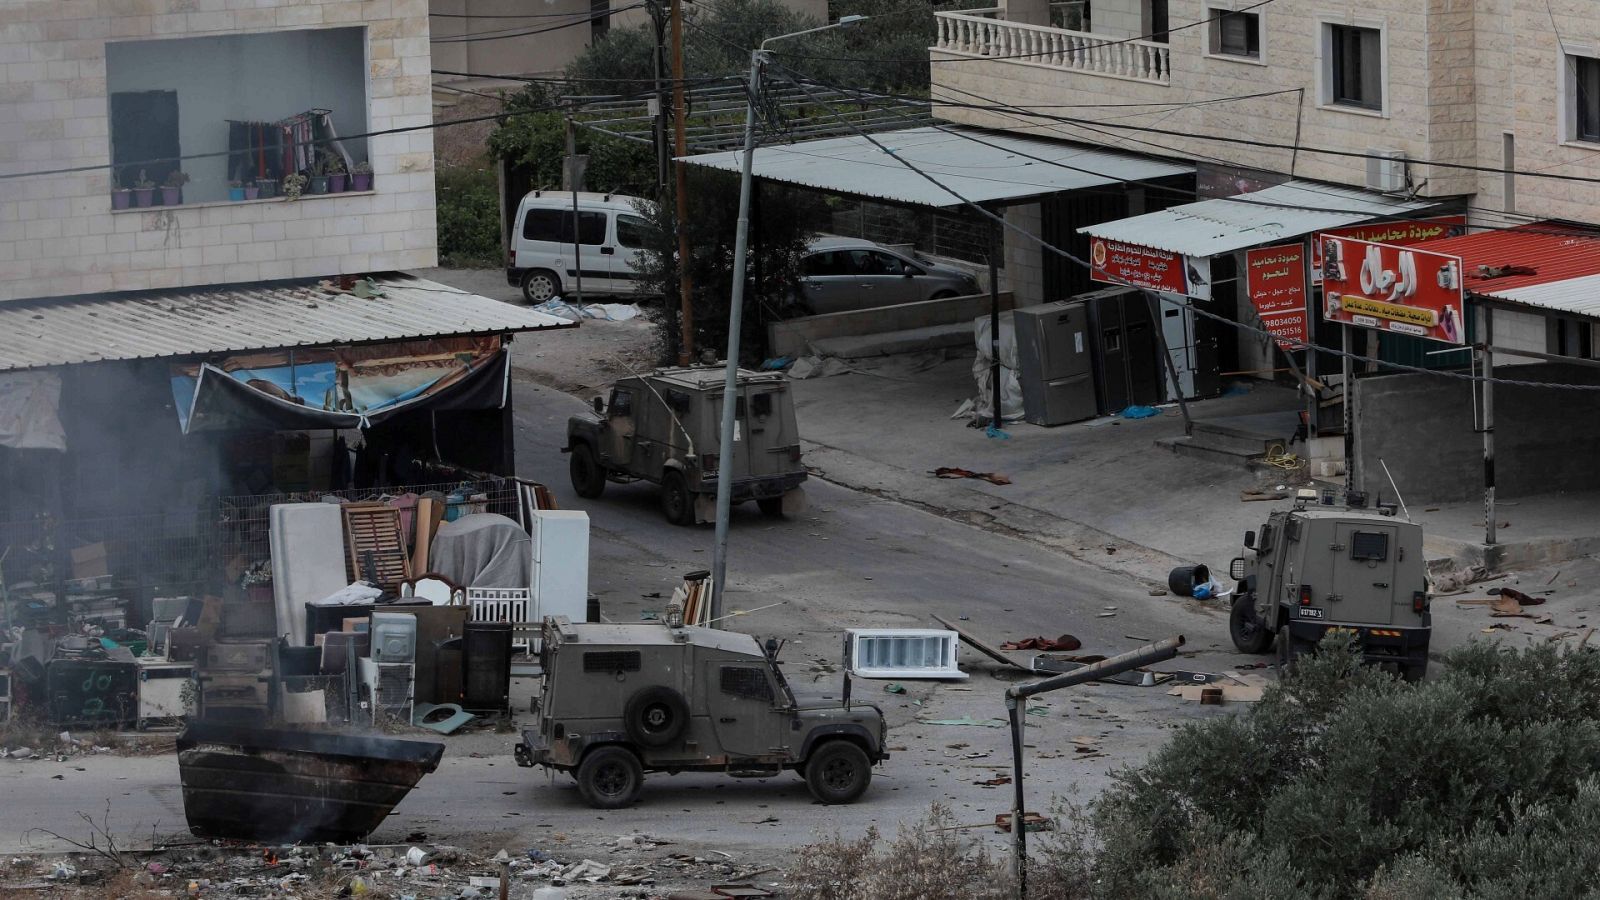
point(999, 170)
point(203, 321)
point(1284, 212)
point(1561, 266)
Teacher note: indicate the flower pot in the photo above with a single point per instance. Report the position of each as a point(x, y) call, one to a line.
point(171, 196)
point(319, 184)
point(268, 187)
point(258, 593)
point(360, 182)
point(251, 192)
point(121, 199)
point(236, 194)
point(144, 196)
point(336, 183)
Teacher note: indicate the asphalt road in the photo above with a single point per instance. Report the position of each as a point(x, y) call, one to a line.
point(852, 560)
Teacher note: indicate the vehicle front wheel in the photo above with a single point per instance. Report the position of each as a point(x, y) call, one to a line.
point(610, 777)
point(1249, 633)
point(588, 478)
point(771, 507)
point(677, 502)
point(539, 285)
point(838, 772)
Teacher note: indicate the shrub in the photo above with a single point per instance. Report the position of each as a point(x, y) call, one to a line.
point(1344, 782)
point(926, 860)
point(469, 217)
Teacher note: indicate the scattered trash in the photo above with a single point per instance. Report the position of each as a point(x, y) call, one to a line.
point(1140, 412)
point(993, 782)
point(445, 718)
point(1244, 689)
point(1105, 615)
point(776, 363)
point(610, 312)
point(1031, 822)
point(952, 472)
point(997, 434)
point(1254, 495)
point(894, 689)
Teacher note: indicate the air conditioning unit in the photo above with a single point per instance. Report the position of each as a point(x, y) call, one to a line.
point(1386, 169)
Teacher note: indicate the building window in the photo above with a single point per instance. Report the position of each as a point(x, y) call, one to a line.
point(240, 110)
point(1235, 34)
point(1585, 98)
point(1156, 20)
point(1354, 67)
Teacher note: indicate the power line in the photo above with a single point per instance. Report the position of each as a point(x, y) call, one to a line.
point(504, 114)
point(1000, 220)
point(498, 35)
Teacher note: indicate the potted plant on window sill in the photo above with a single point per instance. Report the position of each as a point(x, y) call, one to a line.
point(337, 178)
point(172, 189)
point(361, 177)
point(319, 175)
point(144, 191)
point(251, 191)
point(121, 197)
point(236, 191)
point(293, 184)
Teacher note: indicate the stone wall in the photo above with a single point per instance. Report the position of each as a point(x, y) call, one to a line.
point(58, 234)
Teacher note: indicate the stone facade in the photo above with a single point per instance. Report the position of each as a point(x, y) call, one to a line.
point(1460, 75)
point(58, 234)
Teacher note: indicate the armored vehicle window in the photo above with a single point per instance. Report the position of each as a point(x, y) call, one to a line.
point(621, 404)
point(1369, 545)
point(762, 405)
point(609, 662)
point(1265, 542)
point(1291, 529)
point(745, 681)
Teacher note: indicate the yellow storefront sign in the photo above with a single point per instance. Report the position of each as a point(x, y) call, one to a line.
point(1411, 315)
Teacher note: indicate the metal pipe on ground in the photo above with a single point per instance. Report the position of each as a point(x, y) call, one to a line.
point(1016, 710)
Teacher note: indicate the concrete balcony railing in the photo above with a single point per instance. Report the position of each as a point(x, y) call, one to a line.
point(972, 33)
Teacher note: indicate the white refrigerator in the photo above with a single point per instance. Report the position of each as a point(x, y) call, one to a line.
point(560, 564)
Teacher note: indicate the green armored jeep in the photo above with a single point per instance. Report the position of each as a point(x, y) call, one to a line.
point(664, 428)
point(621, 700)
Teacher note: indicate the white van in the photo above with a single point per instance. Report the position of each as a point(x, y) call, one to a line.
point(611, 232)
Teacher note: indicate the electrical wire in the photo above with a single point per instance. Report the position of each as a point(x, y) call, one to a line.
point(1339, 353)
point(498, 35)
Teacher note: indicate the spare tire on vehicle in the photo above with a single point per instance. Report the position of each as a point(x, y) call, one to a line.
point(656, 716)
point(1183, 580)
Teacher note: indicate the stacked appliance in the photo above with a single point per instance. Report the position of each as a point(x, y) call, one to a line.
point(1056, 369)
point(389, 674)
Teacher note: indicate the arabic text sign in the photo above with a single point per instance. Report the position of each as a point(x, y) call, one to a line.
point(1117, 262)
point(1391, 288)
point(1276, 278)
point(1404, 233)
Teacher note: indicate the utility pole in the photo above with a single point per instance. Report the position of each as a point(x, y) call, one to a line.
point(681, 149)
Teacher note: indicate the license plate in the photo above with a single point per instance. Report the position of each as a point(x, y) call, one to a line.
point(1310, 612)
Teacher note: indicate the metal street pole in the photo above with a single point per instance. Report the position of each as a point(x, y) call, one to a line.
point(730, 380)
point(1487, 340)
point(658, 17)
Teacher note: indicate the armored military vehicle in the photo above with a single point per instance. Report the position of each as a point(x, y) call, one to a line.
point(622, 700)
point(1323, 564)
point(663, 428)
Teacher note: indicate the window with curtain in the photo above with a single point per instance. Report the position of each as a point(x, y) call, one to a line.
point(1354, 67)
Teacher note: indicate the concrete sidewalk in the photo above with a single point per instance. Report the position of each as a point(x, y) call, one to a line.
point(1104, 491)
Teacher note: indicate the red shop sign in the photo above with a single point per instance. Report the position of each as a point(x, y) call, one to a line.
point(1276, 280)
point(1390, 288)
point(1118, 262)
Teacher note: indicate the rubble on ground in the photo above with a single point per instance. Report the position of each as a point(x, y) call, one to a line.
point(638, 866)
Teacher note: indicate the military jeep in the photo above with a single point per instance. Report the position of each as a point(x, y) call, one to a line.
point(621, 700)
point(664, 428)
point(1325, 565)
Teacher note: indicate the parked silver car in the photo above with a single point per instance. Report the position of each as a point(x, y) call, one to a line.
point(842, 274)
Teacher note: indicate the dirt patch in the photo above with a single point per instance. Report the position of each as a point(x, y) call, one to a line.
point(465, 145)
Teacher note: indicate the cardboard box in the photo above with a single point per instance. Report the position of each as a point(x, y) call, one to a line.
point(90, 561)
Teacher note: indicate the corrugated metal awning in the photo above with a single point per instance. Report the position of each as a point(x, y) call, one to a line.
point(1546, 265)
point(198, 322)
point(1002, 168)
point(1272, 215)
